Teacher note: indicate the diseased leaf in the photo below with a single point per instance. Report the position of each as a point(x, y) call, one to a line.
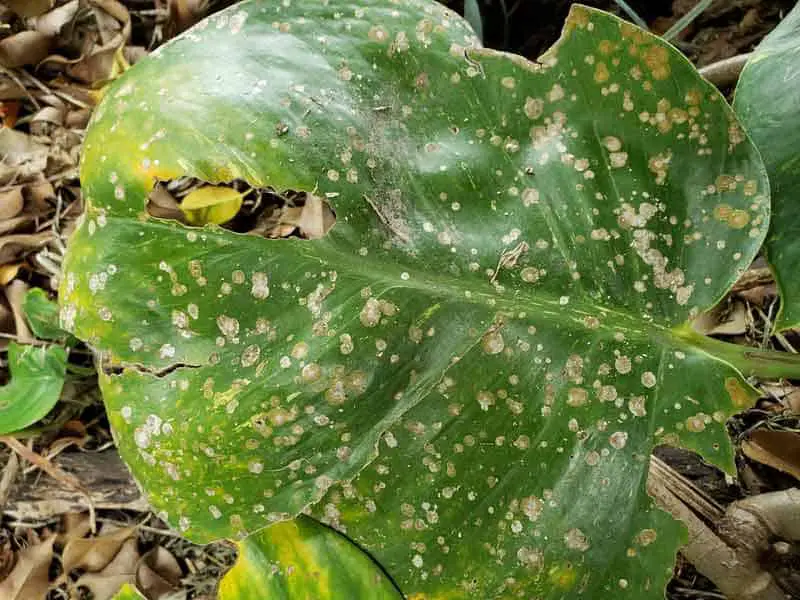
point(37, 376)
point(303, 559)
point(768, 102)
point(466, 375)
point(211, 204)
point(29, 579)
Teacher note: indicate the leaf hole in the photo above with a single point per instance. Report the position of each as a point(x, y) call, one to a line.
point(112, 370)
point(242, 208)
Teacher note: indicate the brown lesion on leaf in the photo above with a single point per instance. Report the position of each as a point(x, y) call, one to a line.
point(740, 395)
point(263, 212)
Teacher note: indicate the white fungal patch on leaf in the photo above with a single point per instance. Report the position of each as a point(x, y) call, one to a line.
point(228, 326)
point(493, 342)
point(618, 439)
point(575, 539)
point(371, 313)
point(260, 287)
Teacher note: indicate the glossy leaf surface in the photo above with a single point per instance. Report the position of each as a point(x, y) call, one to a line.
point(468, 372)
point(37, 376)
point(303, 559)
point(768, 102)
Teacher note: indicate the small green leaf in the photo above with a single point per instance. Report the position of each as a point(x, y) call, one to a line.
point(42, 315)
point(37, 376)
point(768, 102)
point(211, 204)
point(302, 559)
point(128, 592)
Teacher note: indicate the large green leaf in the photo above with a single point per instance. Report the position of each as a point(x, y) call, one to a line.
point(303, 559)
point(468, 373)
point(37, 376)
point(768, 102)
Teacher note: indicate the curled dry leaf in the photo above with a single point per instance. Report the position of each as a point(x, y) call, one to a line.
point(103, 59)
point(316, 218)
point(74, 525)
point(15, 294)
point(9, 272)
point(163, 205)
point(46, 119)
point(777, 449)
point(158, 574)
point(29, 578)
point(184, 13)
point(14, 247)
point(50, 24)
point(95, 553)
point(121, 570)
point(11, 203)
point(24, 48)
point(23, 156)
point(723, 320)
point(7, 558)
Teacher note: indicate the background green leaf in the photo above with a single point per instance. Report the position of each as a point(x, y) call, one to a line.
point(128, 592)
point(42, 316)
point(37, 376)
point(303, 559)
point(768, 102)
point(468, 373)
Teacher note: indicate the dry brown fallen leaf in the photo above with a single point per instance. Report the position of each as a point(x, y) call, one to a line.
point(777, 449)
point(158, 574)
point(723, 320)
point(15, 294)
point(183, 14)
point(7, 558)
point(29, 8)
point(53, 22)
point(94, 554)
point(104, 584)
point(23, 157)
point(11, 202)
point(102, 59)
point(28, 579)
point(316, 218)
point(9, 272)
point(24, 48)
point(14, 247)
point(74, 525)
